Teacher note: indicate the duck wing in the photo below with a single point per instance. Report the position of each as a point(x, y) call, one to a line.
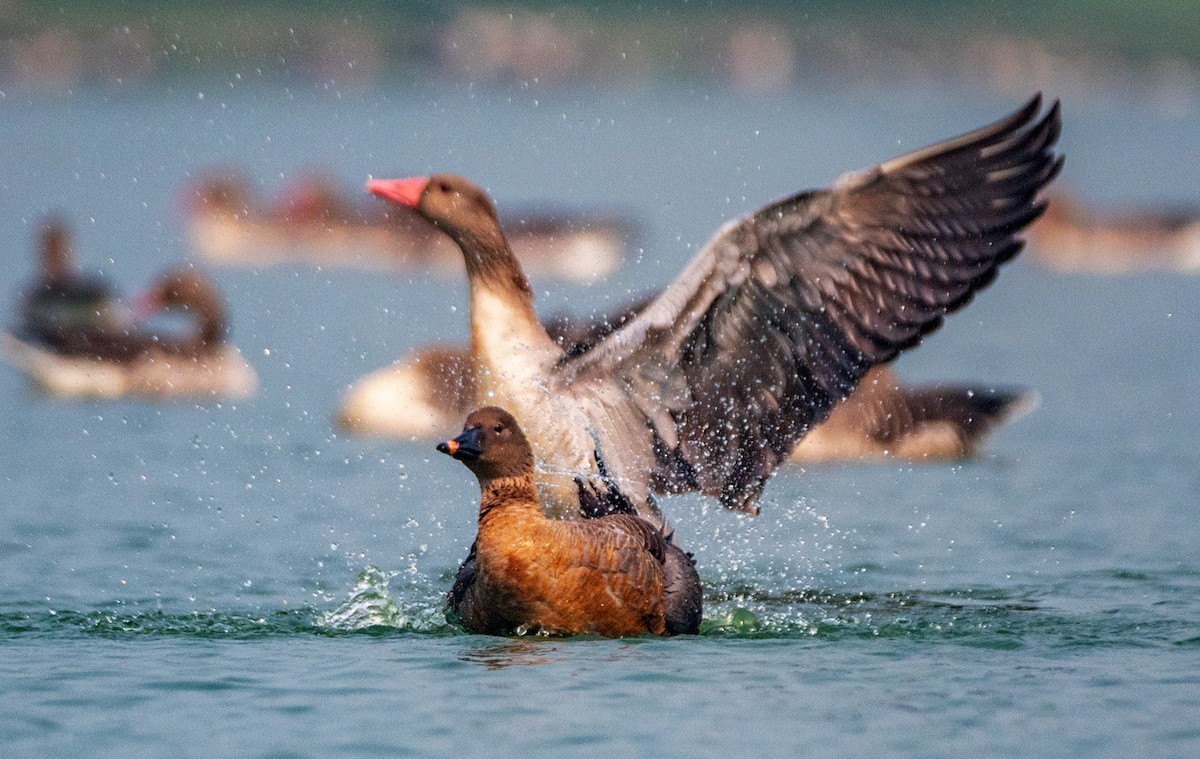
point(623, 546)
point(784, 310)
point(464, 584)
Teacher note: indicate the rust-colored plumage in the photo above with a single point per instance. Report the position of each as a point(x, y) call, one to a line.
point(610, 576)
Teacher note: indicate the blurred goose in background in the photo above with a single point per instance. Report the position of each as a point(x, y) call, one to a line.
point(425, 392)
point(433, 387)
point(612, 575)
point(63, 307)
point(315, 222)
point(774, 322)
point(147, 362)
point(1072, 237)
point(883, 419)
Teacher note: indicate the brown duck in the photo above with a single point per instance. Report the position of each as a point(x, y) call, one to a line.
point(774, 322)
point(613, 575)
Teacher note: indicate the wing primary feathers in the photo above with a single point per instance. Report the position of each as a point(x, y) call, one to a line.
point(783, 311)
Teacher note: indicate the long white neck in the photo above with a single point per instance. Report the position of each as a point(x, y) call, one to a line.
point(515, 361)
point(507, 340)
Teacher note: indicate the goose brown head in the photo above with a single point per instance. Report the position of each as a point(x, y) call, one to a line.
point(492, 446)
point(451, 202)
point(463, 211)
point(188, 290)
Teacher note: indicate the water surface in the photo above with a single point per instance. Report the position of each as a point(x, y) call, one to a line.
point(237, 579)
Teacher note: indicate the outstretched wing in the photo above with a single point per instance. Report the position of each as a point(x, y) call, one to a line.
point(784, 310)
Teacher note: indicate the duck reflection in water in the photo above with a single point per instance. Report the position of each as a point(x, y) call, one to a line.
point(511, 653)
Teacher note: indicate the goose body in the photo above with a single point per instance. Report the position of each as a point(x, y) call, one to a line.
point(141, 362)
point(775, 321)
point(223, 373)
point(883, 419)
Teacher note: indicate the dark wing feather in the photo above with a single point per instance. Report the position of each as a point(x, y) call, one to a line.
point(624, 531)
point(783, 312)
point(461, 599)
point(577, 335)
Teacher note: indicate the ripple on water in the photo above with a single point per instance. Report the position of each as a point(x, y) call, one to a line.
point(987, 618)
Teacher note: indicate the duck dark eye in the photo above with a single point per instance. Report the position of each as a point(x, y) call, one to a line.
point(498, 428)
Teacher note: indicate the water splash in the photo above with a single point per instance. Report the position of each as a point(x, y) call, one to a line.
point(370, 604)
point(735, 621)
point(992, 618)
point(373, 605)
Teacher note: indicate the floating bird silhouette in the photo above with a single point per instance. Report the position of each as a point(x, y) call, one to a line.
point(314, 222)
point(141, 361)
point(1072, 236)
point(63, 307)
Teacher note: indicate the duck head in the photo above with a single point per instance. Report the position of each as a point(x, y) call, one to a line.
point(492, 445)
point(188, 290)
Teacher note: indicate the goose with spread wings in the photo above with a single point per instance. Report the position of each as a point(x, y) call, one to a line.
point(774, 322)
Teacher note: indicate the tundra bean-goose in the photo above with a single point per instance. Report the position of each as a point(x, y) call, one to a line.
point(774, 321)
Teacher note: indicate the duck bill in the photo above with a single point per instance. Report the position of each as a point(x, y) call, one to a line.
point(404, 192)
point(465, 447)
point(147, 304)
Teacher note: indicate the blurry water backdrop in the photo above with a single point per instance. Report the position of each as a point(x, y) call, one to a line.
point(236, 579)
